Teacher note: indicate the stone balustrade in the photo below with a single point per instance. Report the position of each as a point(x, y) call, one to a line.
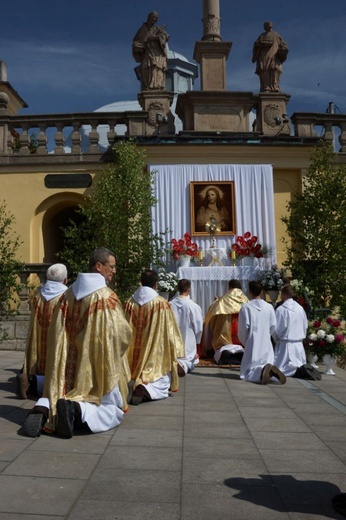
point(62, 134)
point(306, 124)
point(83, 136)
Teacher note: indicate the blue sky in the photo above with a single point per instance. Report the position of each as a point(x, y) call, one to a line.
point(75, 56)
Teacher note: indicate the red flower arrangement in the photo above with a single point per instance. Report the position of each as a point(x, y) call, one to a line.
point(247, 245)
point(184, 246)
point(326, 336)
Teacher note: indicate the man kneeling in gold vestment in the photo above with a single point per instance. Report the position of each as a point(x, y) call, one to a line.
point(156, 342)
point(221, 325)
point(42, 303)
point(85, 371)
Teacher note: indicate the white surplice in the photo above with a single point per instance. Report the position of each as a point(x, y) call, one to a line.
point(190, 321)
point(291, 329)
point(256, 324)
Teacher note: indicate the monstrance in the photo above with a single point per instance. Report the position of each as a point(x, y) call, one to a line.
point(212, 228)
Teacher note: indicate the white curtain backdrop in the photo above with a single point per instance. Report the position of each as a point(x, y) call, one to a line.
point(253, 198)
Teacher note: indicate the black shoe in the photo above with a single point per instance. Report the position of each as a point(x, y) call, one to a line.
point(140, 395)
point(312, 373)
point(275, 372)
point(33, 424)
point(136, 400)
point(229, 358)
point(66, 418)
point(181, 371)
point(265, 375)
point(224, 358)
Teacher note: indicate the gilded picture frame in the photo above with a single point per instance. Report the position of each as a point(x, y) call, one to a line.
point(214, 200)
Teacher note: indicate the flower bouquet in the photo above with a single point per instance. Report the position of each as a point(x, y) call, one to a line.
point(326, 336)
point(184, 247)
point(168, 282)
point(248, 245)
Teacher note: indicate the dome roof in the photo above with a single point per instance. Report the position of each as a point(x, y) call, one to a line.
point(180, 68)
point(120, 106)
point(172, 55)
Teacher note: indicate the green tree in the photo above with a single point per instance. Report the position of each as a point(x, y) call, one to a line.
point(316, 226)
point(9, 265)
point(117, 215)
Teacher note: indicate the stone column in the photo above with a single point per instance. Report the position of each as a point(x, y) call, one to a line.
point(23, 295)
point(211, 52)
point(211, 20)
point(342, 137)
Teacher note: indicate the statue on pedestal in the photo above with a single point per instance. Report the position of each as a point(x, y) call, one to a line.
point(269, 53)
point(149, 49)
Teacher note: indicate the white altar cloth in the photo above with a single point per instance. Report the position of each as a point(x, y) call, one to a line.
point(208, 282)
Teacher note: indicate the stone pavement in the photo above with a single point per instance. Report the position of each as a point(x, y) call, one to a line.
point(219, 449)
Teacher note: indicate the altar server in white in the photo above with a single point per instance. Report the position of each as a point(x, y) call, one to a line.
point(291, 329)
point(190, 321)
point(256, 325)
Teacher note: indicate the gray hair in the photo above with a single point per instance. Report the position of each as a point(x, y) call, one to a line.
point(57, 273)
point(100, 254)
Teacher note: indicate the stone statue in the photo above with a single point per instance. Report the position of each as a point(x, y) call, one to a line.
point(149, 49)
point(3, 71)
point(269, 52)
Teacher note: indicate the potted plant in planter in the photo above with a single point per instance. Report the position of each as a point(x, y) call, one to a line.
point(326, 339)
point(272, 280)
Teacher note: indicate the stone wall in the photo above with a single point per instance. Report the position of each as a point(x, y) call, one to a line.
point(14, 331)
point(14, 327)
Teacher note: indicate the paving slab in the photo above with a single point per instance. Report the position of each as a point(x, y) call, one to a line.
point(147, 437)
point(123, 510)
point(31, 495)
point(219, 449)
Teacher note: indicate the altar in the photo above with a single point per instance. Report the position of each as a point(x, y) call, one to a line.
point(208, 282)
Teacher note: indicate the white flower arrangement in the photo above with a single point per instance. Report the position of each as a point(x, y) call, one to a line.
point(300, 289)
point(168, 282)
point(273, 278)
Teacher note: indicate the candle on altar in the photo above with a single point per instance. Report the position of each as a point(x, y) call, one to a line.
point(200, 254)
point(233, 255)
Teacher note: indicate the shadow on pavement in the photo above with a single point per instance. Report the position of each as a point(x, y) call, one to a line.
point(285, 493)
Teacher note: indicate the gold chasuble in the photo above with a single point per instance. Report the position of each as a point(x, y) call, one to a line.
point(221, 321)
point(156, 341)
point(36, 344)
point(90, 335)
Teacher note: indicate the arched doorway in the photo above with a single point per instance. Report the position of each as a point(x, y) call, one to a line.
point(51, 218)
point(53, 231)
